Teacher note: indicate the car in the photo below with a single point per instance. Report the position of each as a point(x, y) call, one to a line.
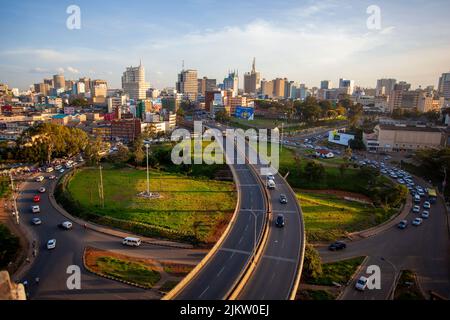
point(416, 209)
point(58, 167)
point(51, 244)
point(61, 171)
point(39, 179)
point(49, 169)
point(417, 222)
point(270, 177)
point(416, 198)
point(280, 221)
point(36, 221)
point(401, 181)
point(66, 225)
point(421, 193)
point(37, 199)
point(52, 177)
point(131, 242)
point(425, 214)
point(35, 209)
point(426, 205)
point(361, 284)
point(402, 224)
point(42, 190)
point(283, 199)
point(338, 245)
point(271, 184)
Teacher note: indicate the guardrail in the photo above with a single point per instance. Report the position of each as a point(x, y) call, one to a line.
point(186, 280)
point(259, 248)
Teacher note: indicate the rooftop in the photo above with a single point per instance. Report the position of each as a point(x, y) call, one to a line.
point(408, 128)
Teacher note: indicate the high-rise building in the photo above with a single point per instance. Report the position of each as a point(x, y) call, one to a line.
point(188, 84)
point(385, 86)
point(206, 84)
point(444, 86)
point(267, 88)
point(326, 84)
point(252, 80)
point(79, 88)
point(231, 82)
point(288, 87)
point(58, 81)
point(278, 87)
point(99, 91)
point(348, 85)
point(87, 83)
point(42, 88)
point(133, 82)
point(49, 82)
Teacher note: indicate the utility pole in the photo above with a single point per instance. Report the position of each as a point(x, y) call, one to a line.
point(102, 195)
point(16, 212)
point(148, 176)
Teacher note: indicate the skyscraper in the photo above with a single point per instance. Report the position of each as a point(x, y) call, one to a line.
point(58, 81)
point(231, 82)
point(133, 82)
point(278, 87)
point(326, 84)
point(348, 85)
point(188, 83)
point(444, 85)
point(206, 84)
point(252, 80)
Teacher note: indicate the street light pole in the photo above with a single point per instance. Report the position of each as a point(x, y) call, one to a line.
point(148, 177)
point(16, 212)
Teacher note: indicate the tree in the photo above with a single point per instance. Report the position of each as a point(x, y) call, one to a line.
point(342, 168)
point(121, 156)
point(93, 150)
point(138, 152)
point(312, 265)
point(355, 112)
point(314, 171)
point(222, 116)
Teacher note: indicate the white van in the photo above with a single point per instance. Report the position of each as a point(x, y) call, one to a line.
point(270, 184)
point(132, 242)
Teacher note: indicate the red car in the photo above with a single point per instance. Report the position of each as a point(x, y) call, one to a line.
point(36, 199)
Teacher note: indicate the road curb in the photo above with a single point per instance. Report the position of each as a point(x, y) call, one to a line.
point(352, 277)
point(186, 280)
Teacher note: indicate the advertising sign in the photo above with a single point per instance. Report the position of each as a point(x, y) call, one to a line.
point(245, 113)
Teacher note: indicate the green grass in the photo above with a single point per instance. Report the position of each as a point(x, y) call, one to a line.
point(129, 271)
point(328, 217)
point(9, 246)
point(338, 272)
point(407, 288)
point(309, 294)
point(4, 186)
point(168, 285)
point(187, 204)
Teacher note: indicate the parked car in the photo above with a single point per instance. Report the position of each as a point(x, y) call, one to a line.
point(51, 244)
point(416, 198)
point(361, 284)
point(425, 214)
point(36, 221)
point(283, 199)
point(427, 205)
point(402, 224)
point(338, 245)
point(61, 171)
point(37, 199)
point(52, 177)
point(42, 190)
point(417, 222)
point(280, 221)
point(66, 225)
point(131, 242)
point(35, 209)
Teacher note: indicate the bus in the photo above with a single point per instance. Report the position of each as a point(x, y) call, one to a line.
point(432, 196)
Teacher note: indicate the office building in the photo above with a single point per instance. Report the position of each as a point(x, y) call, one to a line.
point(126, 130)
point(252, 80)
point(231, 82)
point(347, 86)
point(278, 88)
point(326, 85)
point(99, 91)
point(385, 86)
point(206, 84)
point(133, 82)
point(267, 88)
point(59, 82)
point(188, 84)
point(444, 86)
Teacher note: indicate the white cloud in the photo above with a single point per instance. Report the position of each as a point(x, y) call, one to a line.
point(73, 70)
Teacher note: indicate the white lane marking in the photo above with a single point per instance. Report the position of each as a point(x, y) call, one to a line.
point(281, 259)
point(234, 251)
point(204, 291)
point(221, 270)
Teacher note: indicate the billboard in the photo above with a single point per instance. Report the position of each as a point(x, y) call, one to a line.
point(245, 113)
point(341, 138)
point(217, 99)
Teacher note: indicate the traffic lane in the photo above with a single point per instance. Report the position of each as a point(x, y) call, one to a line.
point(387, 282)
point(281, 253)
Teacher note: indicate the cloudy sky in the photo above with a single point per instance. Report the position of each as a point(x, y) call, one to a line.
point(305, 41)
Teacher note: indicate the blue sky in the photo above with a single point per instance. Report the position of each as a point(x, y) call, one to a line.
point(306, 41)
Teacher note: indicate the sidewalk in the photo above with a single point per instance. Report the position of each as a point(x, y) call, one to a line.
point(110, 231)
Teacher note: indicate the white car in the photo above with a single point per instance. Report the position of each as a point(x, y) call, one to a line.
point(416, 209)
point(35, 209)
point(66, 225)
point(40, 179)
point(42, 190)
point(417, 222)
point(36, 221)
point(361, 284)
point(425, 214)
point(51, 244)
point(131, 242)
point(427, 205)
point(270, 177)
point(61, 171)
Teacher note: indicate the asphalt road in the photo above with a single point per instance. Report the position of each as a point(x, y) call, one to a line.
point(274, 276)
point(51, 265)
point(423, 249)
point(218, 277)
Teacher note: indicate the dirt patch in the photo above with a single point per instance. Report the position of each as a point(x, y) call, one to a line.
point(340, 194)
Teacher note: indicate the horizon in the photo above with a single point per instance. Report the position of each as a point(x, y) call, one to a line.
point(303, 41)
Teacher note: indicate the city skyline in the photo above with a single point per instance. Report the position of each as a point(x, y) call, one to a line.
point(305, 41)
